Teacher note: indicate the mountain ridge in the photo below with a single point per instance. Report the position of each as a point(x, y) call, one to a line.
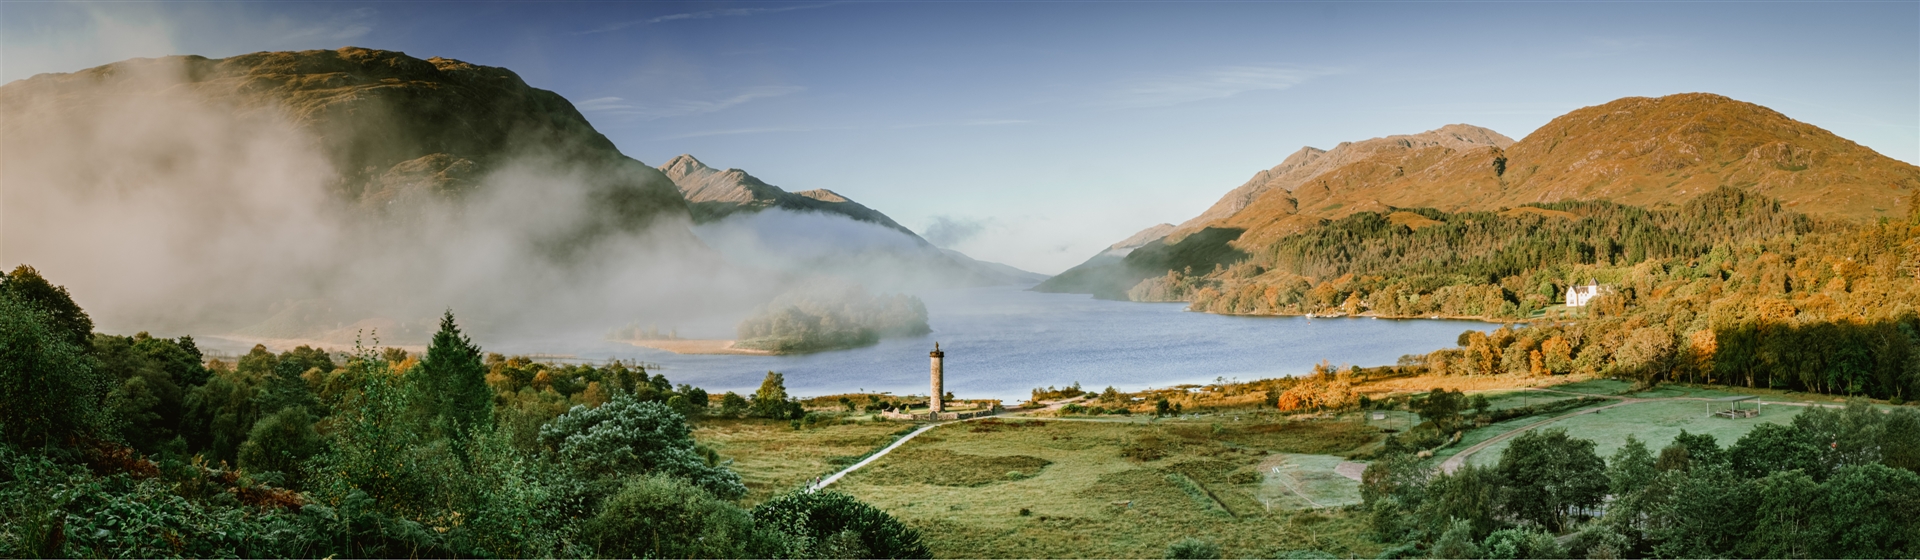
point(716, 196)
point(714, 193)
point(350, 100)
point(1637, 151)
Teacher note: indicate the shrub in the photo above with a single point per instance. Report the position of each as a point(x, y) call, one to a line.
point(1521, 543)
point(1456, 542)
point(280, 443)
point(1598, 540)
point(662, 517)
point(626, 437)
point(829, 524)
point(1193, 549)
point(732, 404)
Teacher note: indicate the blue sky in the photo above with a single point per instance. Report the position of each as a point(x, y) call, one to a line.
point(1043, 131)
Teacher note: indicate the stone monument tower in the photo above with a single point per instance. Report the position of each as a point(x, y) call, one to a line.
point(938, 403)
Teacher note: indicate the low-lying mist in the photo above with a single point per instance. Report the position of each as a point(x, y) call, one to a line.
point(169, 205)
point(815, 243)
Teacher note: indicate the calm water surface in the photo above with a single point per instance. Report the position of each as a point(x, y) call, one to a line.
point(1002, 342)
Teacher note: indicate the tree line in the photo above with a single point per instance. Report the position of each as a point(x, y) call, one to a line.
point(135, 447)
point(1834, 483)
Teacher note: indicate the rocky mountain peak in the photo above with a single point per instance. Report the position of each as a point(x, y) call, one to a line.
point(1308, 163)
point(824, 195)
point(685, 165)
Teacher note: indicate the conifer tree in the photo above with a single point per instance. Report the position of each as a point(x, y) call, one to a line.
point(456, 382)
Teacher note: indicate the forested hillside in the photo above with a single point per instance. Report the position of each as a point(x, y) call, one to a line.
point(1651, 153)
point(1728, 288)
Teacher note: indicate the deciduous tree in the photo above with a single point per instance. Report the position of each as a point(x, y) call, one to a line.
point(1549, 474)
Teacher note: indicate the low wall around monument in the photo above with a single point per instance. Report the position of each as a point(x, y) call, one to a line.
point(929, 416)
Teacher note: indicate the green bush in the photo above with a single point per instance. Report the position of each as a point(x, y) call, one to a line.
point(1456, 542)
point(281, 443)
point(1521, 543)
point(657, 516)
point(1193, 549)
point(829, 524)
point(625, 437)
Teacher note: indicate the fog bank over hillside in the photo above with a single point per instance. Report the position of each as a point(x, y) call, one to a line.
point(818, 243)
point(192, 196)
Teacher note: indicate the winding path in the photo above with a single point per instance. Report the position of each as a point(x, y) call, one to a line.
point(830, 479)
point(835, 477)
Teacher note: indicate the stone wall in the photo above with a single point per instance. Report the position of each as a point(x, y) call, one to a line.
point(929, 416)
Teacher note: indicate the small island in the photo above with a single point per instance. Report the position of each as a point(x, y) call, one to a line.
point(835, 317)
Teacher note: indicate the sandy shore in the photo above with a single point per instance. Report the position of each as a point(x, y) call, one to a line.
point(285, 344)
point(698, 347)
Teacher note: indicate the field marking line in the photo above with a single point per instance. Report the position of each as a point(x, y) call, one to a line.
point(1282, 477)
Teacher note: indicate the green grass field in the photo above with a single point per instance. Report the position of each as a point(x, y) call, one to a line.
point(1118, 489)
point(1475, 436)
point(1300, 481)
point(1655, 423)
point(772, 457)
point(1254, 482)
point(1776, 395)
point(1594, 387)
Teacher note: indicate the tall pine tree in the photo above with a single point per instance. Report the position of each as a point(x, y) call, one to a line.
point(456, 382)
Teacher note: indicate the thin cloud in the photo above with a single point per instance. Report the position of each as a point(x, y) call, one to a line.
point(947, 231)
point(1214, 83)
point(708, 14)
point(623, 108)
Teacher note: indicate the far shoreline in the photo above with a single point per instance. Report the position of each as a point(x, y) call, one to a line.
point(699, 346)
point(1472, 318)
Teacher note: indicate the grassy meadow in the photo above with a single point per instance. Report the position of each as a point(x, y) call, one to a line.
point(772, 457)
point(1654, 422)
point(1253, 480)
point(1062, 488)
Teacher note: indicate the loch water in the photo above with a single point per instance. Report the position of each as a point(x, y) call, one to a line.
point(1001, 342)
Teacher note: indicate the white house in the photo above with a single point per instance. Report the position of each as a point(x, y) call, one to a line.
point(1578, 296)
